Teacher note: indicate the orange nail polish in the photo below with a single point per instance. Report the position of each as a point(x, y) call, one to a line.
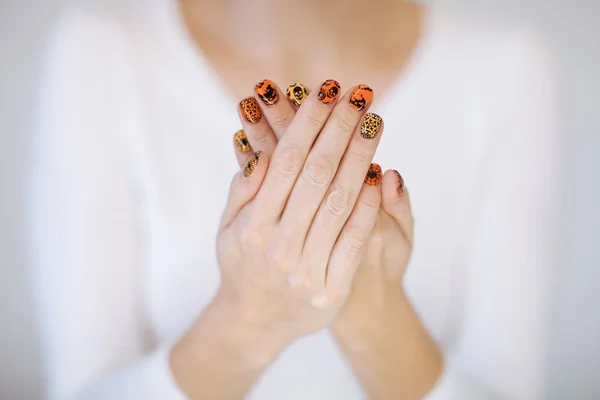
point(330, 89)
point(400, 185)
point(296, 93)
point(361, 97)
point(266, 92)
point(373, 175)
point(250, 110)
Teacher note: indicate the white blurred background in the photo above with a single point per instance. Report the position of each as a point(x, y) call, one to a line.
point(571, 27)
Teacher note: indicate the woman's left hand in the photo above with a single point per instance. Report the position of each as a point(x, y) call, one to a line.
point(377, 289)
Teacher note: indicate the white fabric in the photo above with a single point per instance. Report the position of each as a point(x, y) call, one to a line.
point(130, 170)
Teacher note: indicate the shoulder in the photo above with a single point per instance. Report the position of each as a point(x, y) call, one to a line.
point(488, 46)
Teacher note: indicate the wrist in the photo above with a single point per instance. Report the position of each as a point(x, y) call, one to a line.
point(228, 329)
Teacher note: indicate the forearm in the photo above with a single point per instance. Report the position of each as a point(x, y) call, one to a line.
point(223, 354)
point(389, 349)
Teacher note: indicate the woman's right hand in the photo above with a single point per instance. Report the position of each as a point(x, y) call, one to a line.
point(293, 232)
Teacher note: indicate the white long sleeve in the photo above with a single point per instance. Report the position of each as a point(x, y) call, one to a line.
point(123, 226)
point(501, 339)
point(86, 266)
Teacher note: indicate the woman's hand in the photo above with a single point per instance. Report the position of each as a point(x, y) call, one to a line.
point(291, 237)
point(378, 329)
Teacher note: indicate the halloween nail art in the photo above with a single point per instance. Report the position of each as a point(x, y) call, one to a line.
point(241, 141)
point(361, 97)
point(251, 164)
point(373, 175)
point(370, 125)
point(329, 91)
point(400, 185)
point(250, 110)
point(266, 92)
point(296, 93)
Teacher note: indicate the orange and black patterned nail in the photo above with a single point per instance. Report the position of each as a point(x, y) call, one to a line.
point(361, 97)
point(373, 175)
point(400, 184)
point(250, 110)
point(370, 125)
point(252, 164)
point(241, 141)
point(329, 91)
point(296, 93)
point(267, 92)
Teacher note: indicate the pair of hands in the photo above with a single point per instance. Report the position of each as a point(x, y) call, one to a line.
point(306, 241)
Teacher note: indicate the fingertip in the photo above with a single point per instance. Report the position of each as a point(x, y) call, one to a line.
point(256, 164)
point(393, 189)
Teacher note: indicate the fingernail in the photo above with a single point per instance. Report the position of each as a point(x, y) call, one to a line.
point(250, 110)
point(266, 92)
point(296, 93)
point(241, 141)
point(370, 125)
point(361, 97)
point(400, 185)
point(373, 175)
point(330, 89)
point(251, 164)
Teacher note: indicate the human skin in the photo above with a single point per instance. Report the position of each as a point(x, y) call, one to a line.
point(377, 328)
point(240, 333)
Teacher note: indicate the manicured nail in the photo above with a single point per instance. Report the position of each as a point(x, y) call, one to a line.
point(251, 164)
point(373, 175)
point(296, 93)
point(250, 110)
point(370, 126)
point(329, 91)
point(266, 92)
point(400, 185)
point(361, 97)
point(241, 141)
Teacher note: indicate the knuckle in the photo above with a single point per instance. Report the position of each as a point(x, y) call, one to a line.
point(314, 120)
point(251, 238)
point(359, 155)
point(281, 120)
point(369, 202)
point(263, 139)
point(338, 201)
point(289, 162)
point(344, 125)
point(356, 238)
point(276, 255)
point(318, 172)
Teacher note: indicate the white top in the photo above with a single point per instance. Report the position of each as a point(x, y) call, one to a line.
point(127, 188)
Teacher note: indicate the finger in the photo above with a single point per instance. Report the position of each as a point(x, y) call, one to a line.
point(320, 169)
point(396, 202)
point(296, 93)
point(244, 186)
point(278, 113)
point(292, 150)
point(355, 168)
point(351, 245)
point(242, 147)
point(256, 127)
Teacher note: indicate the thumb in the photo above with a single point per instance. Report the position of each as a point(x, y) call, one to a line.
point(244, 186)
point(396, 202)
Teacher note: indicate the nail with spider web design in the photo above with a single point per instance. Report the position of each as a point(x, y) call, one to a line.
point(373, 175)
point(400, 184)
